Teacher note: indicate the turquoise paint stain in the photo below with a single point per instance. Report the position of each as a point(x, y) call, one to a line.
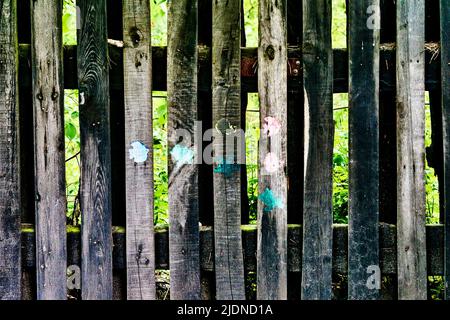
point(182, 155)
point(226, 166)
point(270, 200)
point(139, 152)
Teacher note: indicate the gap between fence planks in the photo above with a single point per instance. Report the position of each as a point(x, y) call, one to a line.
point(445, 76)
point(228, 149)
point(364, 42)
point(319, 130)
point(49, 149)
point(183, 170)
point(139, 150)
point(272, 177)
point(10, 207)
point(411, 252)
point(93, 78)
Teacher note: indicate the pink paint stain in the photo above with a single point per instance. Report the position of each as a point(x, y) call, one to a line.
point(271, 163)
point(271, 127)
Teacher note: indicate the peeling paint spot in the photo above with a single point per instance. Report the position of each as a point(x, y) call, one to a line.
point(182, 155)
point(270, 200)
point(138, 152)
point(82, 100)
point(271, 163)
point(271, 126)
point(226, 166)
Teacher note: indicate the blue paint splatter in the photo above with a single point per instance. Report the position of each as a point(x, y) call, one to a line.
point(270, 200)
point(226, 166)
point(138, 152)
point(182, 155)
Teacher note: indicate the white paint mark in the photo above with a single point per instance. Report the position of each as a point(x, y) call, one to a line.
point(138, 152)
point(82, 101)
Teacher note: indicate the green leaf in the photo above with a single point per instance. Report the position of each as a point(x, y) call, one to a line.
point(70, 131)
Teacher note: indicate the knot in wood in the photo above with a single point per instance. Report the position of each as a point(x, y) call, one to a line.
point(135, 36)
point(270, 52)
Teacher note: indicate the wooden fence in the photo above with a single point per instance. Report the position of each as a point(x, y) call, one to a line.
point(295, 251)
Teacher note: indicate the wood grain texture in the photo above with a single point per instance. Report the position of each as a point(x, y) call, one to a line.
point(93, 78)
point(411, 252)
point(319, 130)
point(228, 151)
point(364, 147)
point(49, 149)
point(139, 130)
point(272, 179)
point(183, 172)
point(10, 209)
point(445, 76)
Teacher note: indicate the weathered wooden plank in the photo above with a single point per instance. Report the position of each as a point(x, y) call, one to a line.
point(93, 78)
point(10, 208)
point(229, 153)
point(445, 76)
point(272, 178)
point(139, 142)
point(412, 282)
point(49, 150)
point(364, 147)
point(183, 170)
point(319, 130)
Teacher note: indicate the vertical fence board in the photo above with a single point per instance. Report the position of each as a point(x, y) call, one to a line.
point(93, 81)
point(319, 129)
point(49, 149)
point(183, 171)
point(10, 248)
point(411, 257)
point(445, 76)
point(139, 142)
point(364, 147)
point(226, 59)
point(272, 204)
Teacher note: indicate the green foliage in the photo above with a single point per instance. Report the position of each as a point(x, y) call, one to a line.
point(252, 137)
point(161, 180)
point(251, 22)
point(339, 21)
point(159, 22)
point(436, 287)
point(72, 133)
point(340, 159)
point(69, 23)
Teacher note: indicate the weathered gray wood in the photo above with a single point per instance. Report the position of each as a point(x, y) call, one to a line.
point(364, 146)
point(183, 171)
point(411, 247)
point(139, 135)
point(445, 76)
point(10, 209)
point(49, 149)
point(228, 151)
point(319, 130)
point(272, 205)
point(93, 78)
